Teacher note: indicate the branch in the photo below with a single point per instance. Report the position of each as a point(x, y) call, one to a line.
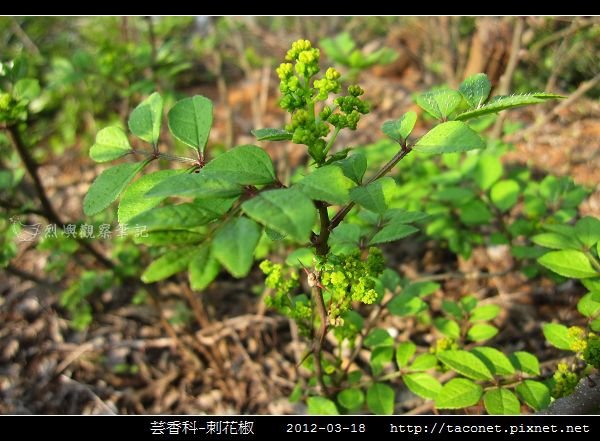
point(585, 399)
point(319, 336)
point(49, 213)
point(581, 90)
point(507, 77)
point(340, 215)
point(25, 275)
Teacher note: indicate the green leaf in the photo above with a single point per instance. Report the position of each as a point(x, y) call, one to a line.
point(287, 211)
point(420, 289)
point(587, 306)
point(344, 238)
point(500, 103)
point(327, 184)
point(321, 406)
point(475, 213)
point(496, 361)
point(557, 335)
point(300, 257)
point(380, 399)
point(568, 263)
point(483, 313)
point(234, 245)
point(439, 103)
point(458, 393)
point(487, 171)
point(447, 327)
point(525, 362)
point(535, 394)
point(296, 393)
point(168, 264)
point(555, 241)
point(588, 230)
point(378, 337)
point(404, 305)
point(198, 185)
point(376, 196)
point(423, 362)
point(466, 364)
point(468, 303)
point(243, 165)
point(501, 401)
point(190, 120)
point(452, 308)
point(203, 268)
point(146, 119)
point(111, 143)
point(134, 200)
point(457, 195)
point(339, 47)
point(26, 89)
point(404, 353)
point(505, 194)
point(168, 237)
point(354, 166)
point(398, 130)
point(481, 332)
point(404, 217)
point(272, 135)
point(423, 385)
point(182, 215)
point(380, 356)
point(475, 89)
point(351, 399)
point(391, 232)
point(451, 136)
point(108, 185)
point(592, 284)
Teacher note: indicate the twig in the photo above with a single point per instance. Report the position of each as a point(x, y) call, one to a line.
point(49, 213)
point(340, 215)
point(22, 35)
point(196, 305)
point(581, 90)
point(30, 277)
point(507, 77)
point(560, 35)
point(319, 337)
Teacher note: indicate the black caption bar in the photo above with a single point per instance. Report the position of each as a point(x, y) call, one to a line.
point(187, 427)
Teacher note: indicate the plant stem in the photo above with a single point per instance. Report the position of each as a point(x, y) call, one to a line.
point(321, 249)
point(319, 337)
point(166, 156)
point(49, 213)
point(593, 260)
point(331, 140)
point(340, 215)
point(321, 245)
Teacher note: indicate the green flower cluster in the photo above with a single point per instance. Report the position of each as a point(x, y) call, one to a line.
point(564, 381)
point(299, 97)
point(591, 354)
point(4, 101)
point(347, 279)
point(443, 344)
point(578, 340)
point(351, 108)
point(297, 308)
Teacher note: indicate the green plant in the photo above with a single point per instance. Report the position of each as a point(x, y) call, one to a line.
point(235, 202)
point(342, 49)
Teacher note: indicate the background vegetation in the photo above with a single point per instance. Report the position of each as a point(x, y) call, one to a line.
point(81, 333)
